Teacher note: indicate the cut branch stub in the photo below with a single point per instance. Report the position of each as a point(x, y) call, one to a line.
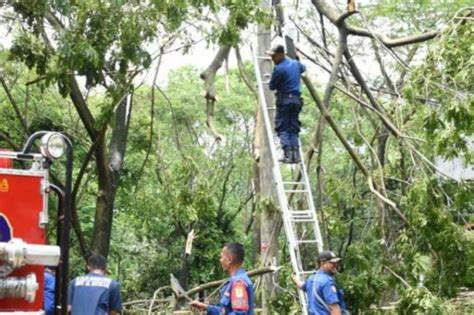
point(210, 93)
point(209, 74)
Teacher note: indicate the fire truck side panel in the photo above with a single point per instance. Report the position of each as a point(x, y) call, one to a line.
point(22, 199)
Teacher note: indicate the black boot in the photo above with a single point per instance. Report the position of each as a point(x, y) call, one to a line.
point(287, 156)
point(295, 155)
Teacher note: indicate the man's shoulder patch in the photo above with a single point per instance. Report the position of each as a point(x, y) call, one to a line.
point(239, 296)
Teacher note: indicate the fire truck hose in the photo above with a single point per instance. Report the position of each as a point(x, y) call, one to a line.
point(24, 288)
point(17, 253)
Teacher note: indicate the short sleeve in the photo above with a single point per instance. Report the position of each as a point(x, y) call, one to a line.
point(306, 285)
point(239, 296)
point(330, 293)
point(115, 298)
point(275, 80)
point(302, 67)
point(215, 310)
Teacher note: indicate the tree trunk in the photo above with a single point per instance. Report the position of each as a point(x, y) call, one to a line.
point(109, 176)
point(270, 214)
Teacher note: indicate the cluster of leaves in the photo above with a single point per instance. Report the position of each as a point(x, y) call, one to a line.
point(420, 301)
point(445, 80)
point(434, 234)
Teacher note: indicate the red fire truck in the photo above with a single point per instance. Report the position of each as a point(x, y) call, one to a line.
point(24, 253)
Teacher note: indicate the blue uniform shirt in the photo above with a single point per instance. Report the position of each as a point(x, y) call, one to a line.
point(286, 76)
point(324, 285)
point(231, 294)
point(94, 294)
point(49, 287)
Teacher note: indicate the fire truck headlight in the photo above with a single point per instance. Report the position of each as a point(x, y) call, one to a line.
point(53, 145)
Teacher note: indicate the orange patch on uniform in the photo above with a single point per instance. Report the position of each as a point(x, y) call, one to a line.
point(239, 296)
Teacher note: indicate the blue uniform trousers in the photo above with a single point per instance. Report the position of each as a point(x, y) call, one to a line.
point(287, 125)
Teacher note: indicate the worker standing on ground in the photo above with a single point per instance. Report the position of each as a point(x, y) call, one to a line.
point(49, 289)
point(286, 80)
point(236, 295)
point(324, 297)
point(94, 293)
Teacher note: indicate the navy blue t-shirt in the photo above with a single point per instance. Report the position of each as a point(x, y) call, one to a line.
point(94, 294)
point(286, 76)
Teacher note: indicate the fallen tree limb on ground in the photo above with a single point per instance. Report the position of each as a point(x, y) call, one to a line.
point(200, 288)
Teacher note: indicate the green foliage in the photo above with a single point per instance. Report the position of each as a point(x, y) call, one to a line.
point(469, 278)
point(420, 301)
point(285, 299)
point(446, 77)
point(176, 178)
point(434, 234)
point(182, 186)
point(418, 14)
point(110, 36)
point(363, 279)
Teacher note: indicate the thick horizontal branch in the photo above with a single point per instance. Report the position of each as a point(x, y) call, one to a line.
point(213, 284)
point(393, 42)
point(329, 11)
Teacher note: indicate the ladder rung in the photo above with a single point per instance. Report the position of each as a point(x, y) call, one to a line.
point(294, 183)
point(307, 242)
point(264, 57)
point(296, 190)
point(301, 212)
point(302, 220)
point(302, 216)
point(307, 272)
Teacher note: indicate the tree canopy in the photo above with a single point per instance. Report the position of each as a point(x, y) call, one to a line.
point(156, 163)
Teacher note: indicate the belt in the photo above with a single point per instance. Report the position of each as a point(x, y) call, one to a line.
point(290, 94)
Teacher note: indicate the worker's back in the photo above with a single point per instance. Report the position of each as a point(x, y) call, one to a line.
point(94, 294)
point(286, 77)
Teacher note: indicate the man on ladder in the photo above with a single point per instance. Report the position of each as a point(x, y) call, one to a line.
point(286, 80)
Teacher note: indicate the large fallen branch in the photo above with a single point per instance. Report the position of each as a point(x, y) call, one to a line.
point(214, 284)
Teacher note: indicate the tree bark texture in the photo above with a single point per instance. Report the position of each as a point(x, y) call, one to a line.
point(108, 169)
point(270, 214)
point(210, 93)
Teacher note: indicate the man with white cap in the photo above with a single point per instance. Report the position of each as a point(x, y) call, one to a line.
point(324, 297)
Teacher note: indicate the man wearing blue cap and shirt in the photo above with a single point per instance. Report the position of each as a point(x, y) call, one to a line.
point(324, 297)
point(286, 80)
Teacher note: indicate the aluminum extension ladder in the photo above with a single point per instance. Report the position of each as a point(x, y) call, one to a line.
point(295, 200)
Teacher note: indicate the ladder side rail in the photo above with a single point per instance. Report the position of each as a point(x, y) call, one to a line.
point(263, 105)
point(287, 33)
point(276, 171)
point(317, 230)
point(294, 249)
